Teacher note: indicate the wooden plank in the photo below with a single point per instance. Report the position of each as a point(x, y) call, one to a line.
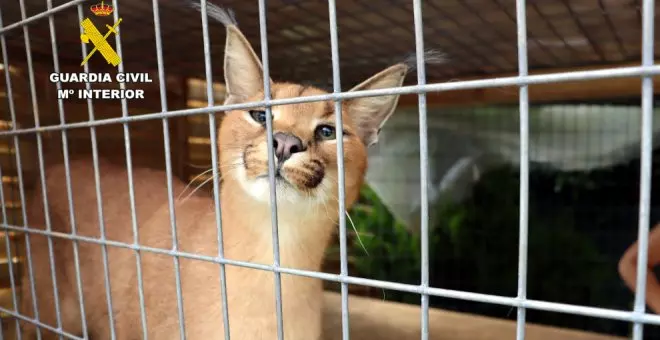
point(182, 123)
point(372, 319)
point(4, 272)
point(599, 89)
point(196, 90)
point(28, 159)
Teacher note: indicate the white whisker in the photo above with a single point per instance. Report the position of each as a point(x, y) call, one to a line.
point(191, 181)
point(357, 234)
point(195, 190)
point(234, 167)
point(198, 166)
point(200, 175)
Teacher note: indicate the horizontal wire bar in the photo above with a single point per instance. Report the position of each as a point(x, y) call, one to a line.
point(440, 292)
point(620, 72)
point(39, 324)
point(41, 15)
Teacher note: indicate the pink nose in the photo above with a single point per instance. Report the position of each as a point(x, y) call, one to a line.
point(285, 145)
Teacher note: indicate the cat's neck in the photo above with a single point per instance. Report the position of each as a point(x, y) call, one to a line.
point(304, 230)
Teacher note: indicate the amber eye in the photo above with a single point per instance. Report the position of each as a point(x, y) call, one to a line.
point(259, 116)
point(325, 132)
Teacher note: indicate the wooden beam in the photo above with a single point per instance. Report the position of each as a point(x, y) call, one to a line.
point(372, 319)
point(598, 89)
point(182, 132)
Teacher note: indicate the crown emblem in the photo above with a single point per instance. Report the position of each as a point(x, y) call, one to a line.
point(101, 10)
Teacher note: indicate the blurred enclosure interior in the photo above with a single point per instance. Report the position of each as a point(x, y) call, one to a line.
point(584, 141)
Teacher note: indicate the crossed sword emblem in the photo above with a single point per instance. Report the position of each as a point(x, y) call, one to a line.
point(99, 41)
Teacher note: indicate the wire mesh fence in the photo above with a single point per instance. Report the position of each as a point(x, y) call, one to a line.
point(18, 34)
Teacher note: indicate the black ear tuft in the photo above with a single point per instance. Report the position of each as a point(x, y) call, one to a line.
point(219, 14)
point(432, 57)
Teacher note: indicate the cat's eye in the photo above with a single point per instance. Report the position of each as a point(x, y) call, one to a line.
point(325, 132)
point(259, 116)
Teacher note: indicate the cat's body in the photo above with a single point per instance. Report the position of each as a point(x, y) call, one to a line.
point(305, 154)
point(246, 238)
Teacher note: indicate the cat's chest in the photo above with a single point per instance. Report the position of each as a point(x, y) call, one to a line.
point(252, 292)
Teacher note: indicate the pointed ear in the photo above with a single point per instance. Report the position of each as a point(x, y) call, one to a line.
point(243, 71)
point(370, 113)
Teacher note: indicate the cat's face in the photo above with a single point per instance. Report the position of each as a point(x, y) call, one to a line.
point(304, 148)
point(304, 135)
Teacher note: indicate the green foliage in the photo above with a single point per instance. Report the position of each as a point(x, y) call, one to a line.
point(482, 234)
point(394, 253)
point(474, 247)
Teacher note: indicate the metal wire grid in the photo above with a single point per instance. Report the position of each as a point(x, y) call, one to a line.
point(647, 70)
point(561, 34)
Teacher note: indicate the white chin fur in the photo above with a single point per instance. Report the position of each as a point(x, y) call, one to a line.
point(287, 195)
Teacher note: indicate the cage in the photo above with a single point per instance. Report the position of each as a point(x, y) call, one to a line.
point(536, 119)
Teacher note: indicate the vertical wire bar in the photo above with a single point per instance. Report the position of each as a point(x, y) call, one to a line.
point(648, 10)
point(14, 298)
point(12, 280)
point(99, 196)
point(210, 96)
point(423, 166)
point(131, 189)
point(521, 24)
point(42, 171)
point(129, 174)
point(19, 172)
point(168, 166)
point(67, 174)
point(336, 84)
point(271, 169)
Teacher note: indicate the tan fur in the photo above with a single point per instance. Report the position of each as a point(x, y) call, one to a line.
point(307, 215)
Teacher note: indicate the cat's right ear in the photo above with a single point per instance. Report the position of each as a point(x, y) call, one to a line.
point(242, 68)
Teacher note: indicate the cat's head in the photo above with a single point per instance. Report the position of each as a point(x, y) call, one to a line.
point(304, 135)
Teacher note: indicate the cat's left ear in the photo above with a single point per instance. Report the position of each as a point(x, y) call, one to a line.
point(371, 113)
